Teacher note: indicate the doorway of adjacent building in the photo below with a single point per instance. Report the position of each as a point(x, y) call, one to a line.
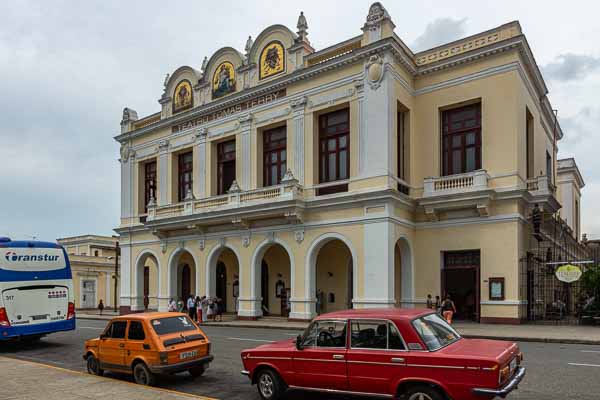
point(460, 280)
point(88, 293)
point(221, 289)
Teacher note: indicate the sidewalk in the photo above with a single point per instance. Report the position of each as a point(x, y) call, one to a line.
point(24, 380)
point(573, 334)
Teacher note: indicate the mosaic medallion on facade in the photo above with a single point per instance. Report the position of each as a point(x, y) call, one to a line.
point(272, 60)
point(223, 80)
point(182, 96)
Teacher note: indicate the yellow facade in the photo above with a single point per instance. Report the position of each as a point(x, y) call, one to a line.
point(388, 236)
point(92, 259)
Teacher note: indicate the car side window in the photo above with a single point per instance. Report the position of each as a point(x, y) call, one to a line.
point(331, 334)
point(373, 334)
point(117, 330)
point(395, 341)
point(369, 335)
point(325, 334)
point(136, 331)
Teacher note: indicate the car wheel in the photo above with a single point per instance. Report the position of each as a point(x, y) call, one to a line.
point(196, 372)
point(142, 375)
point(270, 386)
point(422, 393)
point(93, 366)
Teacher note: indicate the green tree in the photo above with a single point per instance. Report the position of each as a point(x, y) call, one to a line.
point(590, 284)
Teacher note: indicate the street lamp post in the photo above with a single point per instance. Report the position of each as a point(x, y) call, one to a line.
point(117, 253)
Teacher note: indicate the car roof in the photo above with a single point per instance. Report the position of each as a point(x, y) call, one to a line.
point(149, 315)
point(383, 313)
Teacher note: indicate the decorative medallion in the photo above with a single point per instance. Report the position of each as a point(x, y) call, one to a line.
point(182, 97)
point(223, 80)
point(272, 60)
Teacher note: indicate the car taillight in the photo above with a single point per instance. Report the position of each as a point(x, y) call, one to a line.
point(164, 357)
point(520, 358)
point(4, 317)
point(504, 373)
point(71, 311)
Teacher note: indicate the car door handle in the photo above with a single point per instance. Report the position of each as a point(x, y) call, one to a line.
point(121, 345)
point(397, 360)
point(338, 357)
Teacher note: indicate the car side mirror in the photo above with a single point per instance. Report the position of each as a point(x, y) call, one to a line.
point(299, 339)
point(102, 336)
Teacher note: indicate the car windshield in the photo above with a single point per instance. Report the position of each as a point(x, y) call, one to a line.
point(435, 332)
point(164, 326)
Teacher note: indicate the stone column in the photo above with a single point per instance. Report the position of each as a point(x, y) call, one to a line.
point(378, 270)
point(298, 109)
point(127, 181)
point(163, 280)
point(125, 277)
point(201, 162)
point(163, 173)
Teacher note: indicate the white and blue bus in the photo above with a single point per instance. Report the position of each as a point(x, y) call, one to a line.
point(36, 288)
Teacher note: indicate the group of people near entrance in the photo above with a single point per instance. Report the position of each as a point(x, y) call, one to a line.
point(200, 309)
point(445, 308)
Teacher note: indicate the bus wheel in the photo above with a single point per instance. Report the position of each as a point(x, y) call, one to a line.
point(93, 366)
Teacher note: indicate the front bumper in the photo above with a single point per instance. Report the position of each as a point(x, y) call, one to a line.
point(503, 391)
point(182, 366)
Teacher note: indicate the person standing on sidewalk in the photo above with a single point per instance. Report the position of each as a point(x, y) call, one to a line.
point(191, 306)
point(429, 302)
point(448, 309)
point(198, 309)
point(172, 305)
point(204, 308)
point(101, 306)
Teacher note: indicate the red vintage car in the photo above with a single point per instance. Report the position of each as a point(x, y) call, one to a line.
point(399, 353)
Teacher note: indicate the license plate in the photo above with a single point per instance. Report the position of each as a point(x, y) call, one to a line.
point(38, 317)
point(188, 354)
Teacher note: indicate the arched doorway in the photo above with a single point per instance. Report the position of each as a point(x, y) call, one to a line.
point(182, 273)
point(186, 282)
point(403, 274)
point(222, 282)
point(331, 264)
point(264, 287)
point(222, 277)
point(146, 285)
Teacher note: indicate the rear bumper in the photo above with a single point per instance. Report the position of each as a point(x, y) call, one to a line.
point(504, 390)
point(12, 332)
point(182, 366)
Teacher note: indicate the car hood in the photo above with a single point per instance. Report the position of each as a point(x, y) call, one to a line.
point(92, 342)
point(279, 345)
point(499, 351)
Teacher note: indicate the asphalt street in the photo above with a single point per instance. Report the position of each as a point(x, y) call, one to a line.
point(555, 371)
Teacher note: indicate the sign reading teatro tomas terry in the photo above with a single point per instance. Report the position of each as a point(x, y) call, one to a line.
point(230, 110)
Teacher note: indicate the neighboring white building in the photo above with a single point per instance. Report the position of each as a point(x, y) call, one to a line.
point(569, 184)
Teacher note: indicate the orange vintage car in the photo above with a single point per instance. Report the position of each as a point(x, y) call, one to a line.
point(149, 344)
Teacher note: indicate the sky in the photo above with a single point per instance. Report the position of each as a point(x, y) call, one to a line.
point(68, 68)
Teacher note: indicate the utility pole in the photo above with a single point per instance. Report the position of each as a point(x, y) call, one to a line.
point(117, 253)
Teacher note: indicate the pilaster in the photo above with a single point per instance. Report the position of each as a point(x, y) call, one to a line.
point(125, 277)
point(298, 110)
point(163, 173)
point(246, 129)
point(127, 179)
point(200, 161)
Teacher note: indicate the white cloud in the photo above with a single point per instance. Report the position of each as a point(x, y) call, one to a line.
point(440, 31)
point(570, 67)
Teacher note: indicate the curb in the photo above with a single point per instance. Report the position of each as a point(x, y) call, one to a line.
point(534, 339)
point(469, 336)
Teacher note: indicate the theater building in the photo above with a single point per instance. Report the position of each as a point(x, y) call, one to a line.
point(293, 181)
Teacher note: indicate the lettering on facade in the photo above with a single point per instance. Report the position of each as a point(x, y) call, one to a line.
point(227, 111)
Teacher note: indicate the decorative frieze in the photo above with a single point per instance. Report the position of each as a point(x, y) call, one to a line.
point(330, 98)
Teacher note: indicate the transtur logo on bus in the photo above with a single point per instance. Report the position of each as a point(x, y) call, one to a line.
point(12, 256)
